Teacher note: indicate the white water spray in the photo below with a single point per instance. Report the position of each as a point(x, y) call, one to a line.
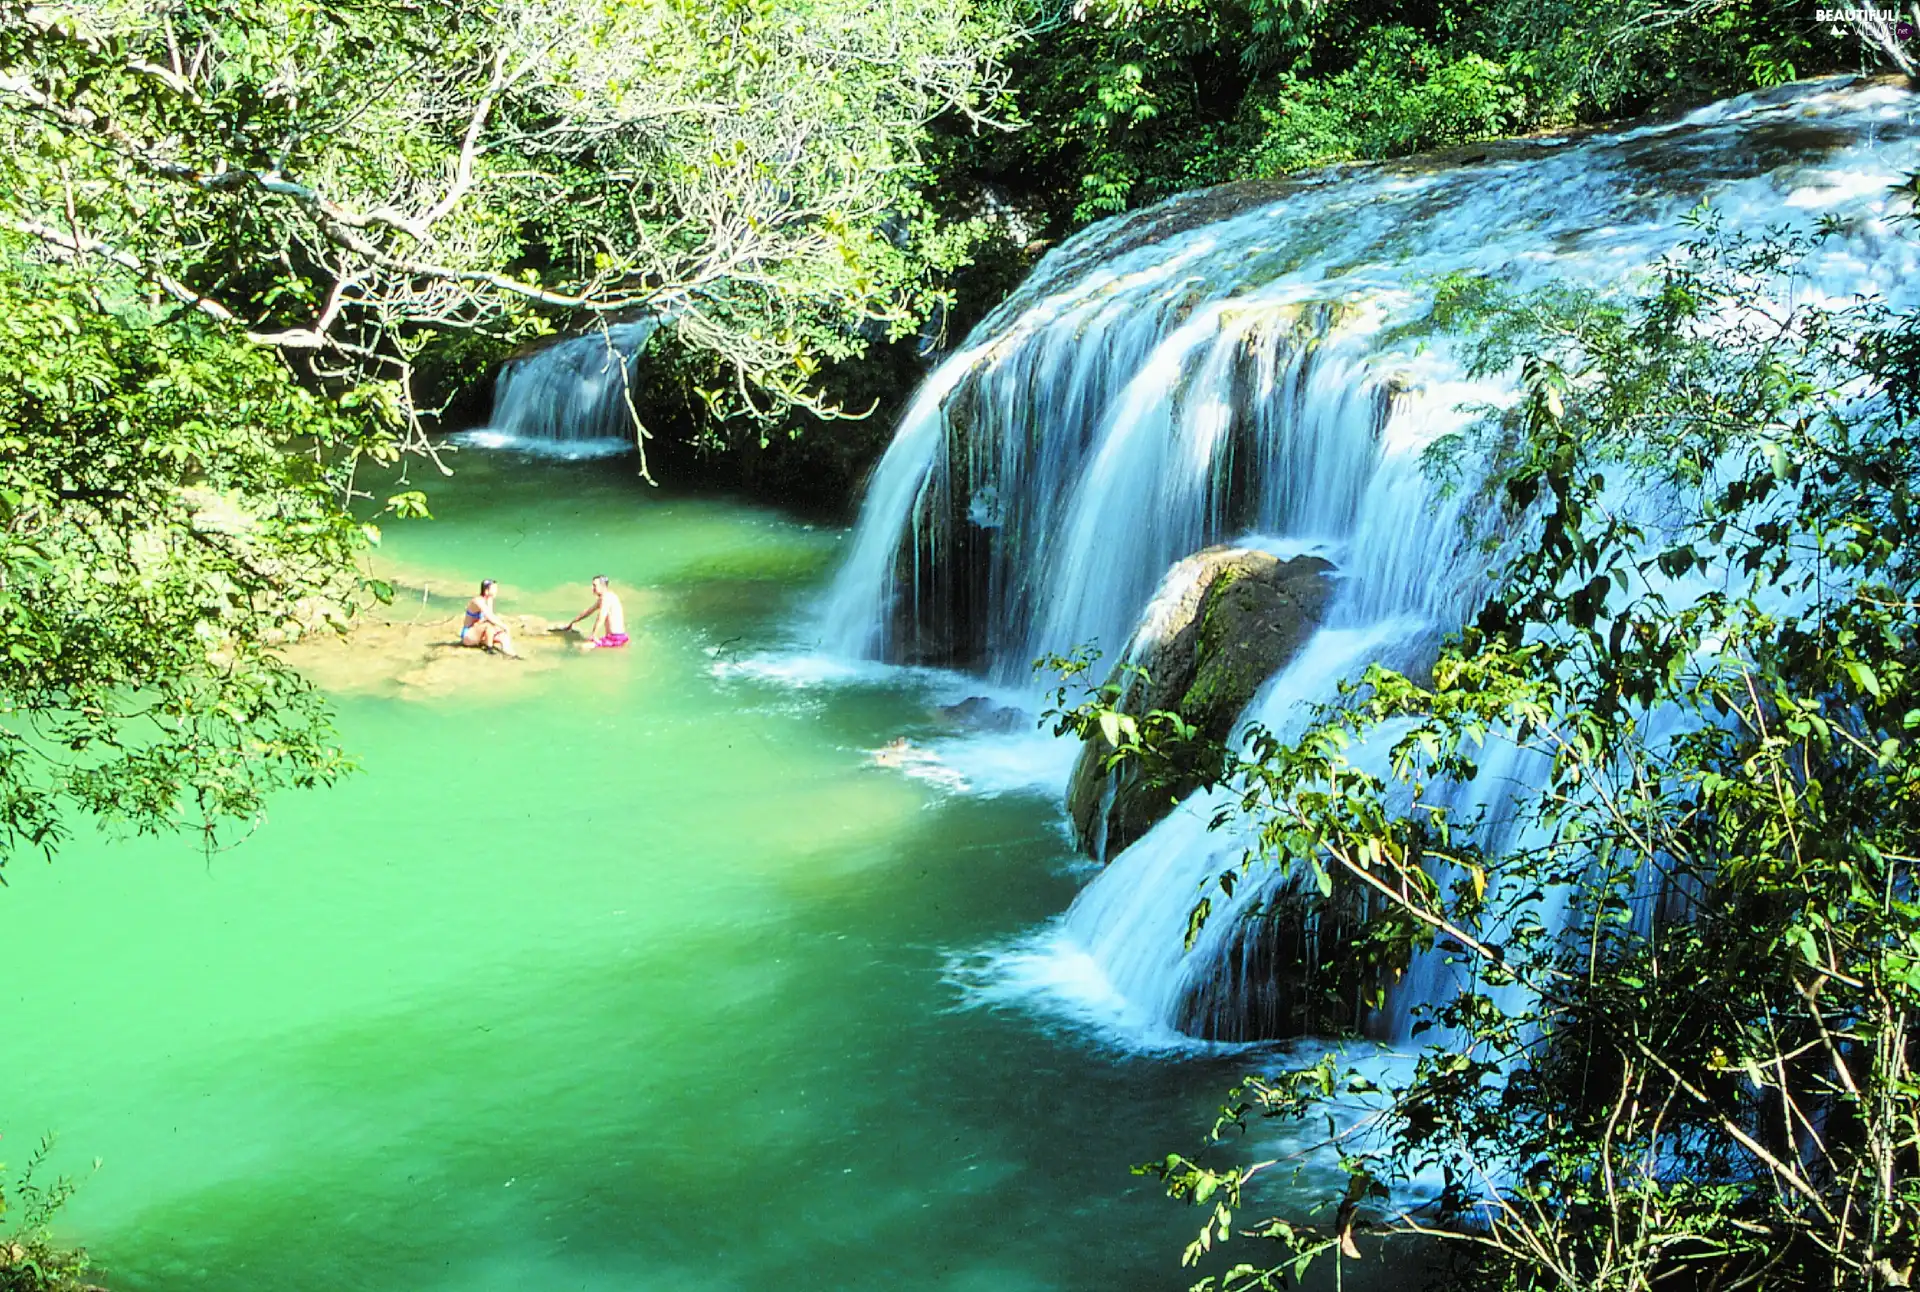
point(1175, 377)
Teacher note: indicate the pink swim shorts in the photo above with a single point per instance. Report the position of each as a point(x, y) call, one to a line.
point(611, 639)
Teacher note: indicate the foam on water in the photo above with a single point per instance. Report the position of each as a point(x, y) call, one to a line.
point(1016, 762)
point(535, 446)
point(1015, 757)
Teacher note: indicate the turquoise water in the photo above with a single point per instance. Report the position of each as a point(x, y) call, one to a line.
point(610, 970)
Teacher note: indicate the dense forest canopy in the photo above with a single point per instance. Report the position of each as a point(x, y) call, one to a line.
point(1133, 100)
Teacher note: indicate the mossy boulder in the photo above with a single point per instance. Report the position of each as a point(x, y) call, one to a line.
point(1223, 621)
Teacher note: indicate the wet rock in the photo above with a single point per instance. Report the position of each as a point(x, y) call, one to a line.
point(1223, 621)
point(983, 714)
point(1296, 964)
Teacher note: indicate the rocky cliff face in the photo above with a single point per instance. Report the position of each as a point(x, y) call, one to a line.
point(1223, 621)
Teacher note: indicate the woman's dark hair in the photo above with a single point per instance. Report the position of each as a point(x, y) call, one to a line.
point(484, 585)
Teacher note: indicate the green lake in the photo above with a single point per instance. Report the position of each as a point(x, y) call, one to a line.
point(610, 970)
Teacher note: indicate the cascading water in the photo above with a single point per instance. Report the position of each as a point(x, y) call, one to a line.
point(569, 399)
point(1237, 360)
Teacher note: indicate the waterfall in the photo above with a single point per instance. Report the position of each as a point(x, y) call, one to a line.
point(569, 399)
point(1250, 359)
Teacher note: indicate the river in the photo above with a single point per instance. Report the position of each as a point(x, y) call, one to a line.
point(637, 970)
point(614, 970)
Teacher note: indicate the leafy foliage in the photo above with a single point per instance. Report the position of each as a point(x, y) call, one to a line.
point(30, 1261)
point(1157, 746)
point(1674, 920)
point(345, 182)
point(169, 511)
point(1130, 101)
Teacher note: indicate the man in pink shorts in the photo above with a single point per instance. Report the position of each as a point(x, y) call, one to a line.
point(609, 620)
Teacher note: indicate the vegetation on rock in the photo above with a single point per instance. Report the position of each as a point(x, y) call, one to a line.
point(30, 1259)
point(1223, 621)
point(1676, 949)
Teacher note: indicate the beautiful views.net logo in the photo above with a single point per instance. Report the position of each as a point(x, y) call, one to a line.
point(1903, 28)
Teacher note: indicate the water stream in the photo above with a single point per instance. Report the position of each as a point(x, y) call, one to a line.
point(613, 971)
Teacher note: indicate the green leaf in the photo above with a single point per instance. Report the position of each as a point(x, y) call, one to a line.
point(1801, 939)
point(1863, 677)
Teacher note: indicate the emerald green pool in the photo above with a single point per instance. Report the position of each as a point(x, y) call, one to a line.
point(615, 970)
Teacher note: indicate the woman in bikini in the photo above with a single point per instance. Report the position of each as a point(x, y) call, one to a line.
point(482, 628)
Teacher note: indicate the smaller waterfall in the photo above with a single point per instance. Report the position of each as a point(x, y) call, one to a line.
point(570, 398)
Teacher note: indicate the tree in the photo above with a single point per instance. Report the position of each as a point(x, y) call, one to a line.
point(229, 234)
point(347, 182)
point(1130, 101)
point(1673, 1045)
point(168, 499)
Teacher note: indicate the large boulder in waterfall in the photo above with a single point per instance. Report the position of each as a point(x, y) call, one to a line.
point(1223, 621)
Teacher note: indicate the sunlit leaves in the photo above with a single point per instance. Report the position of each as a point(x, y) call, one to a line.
point(356, 182)
point(1679, 938)
point(168, 497)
